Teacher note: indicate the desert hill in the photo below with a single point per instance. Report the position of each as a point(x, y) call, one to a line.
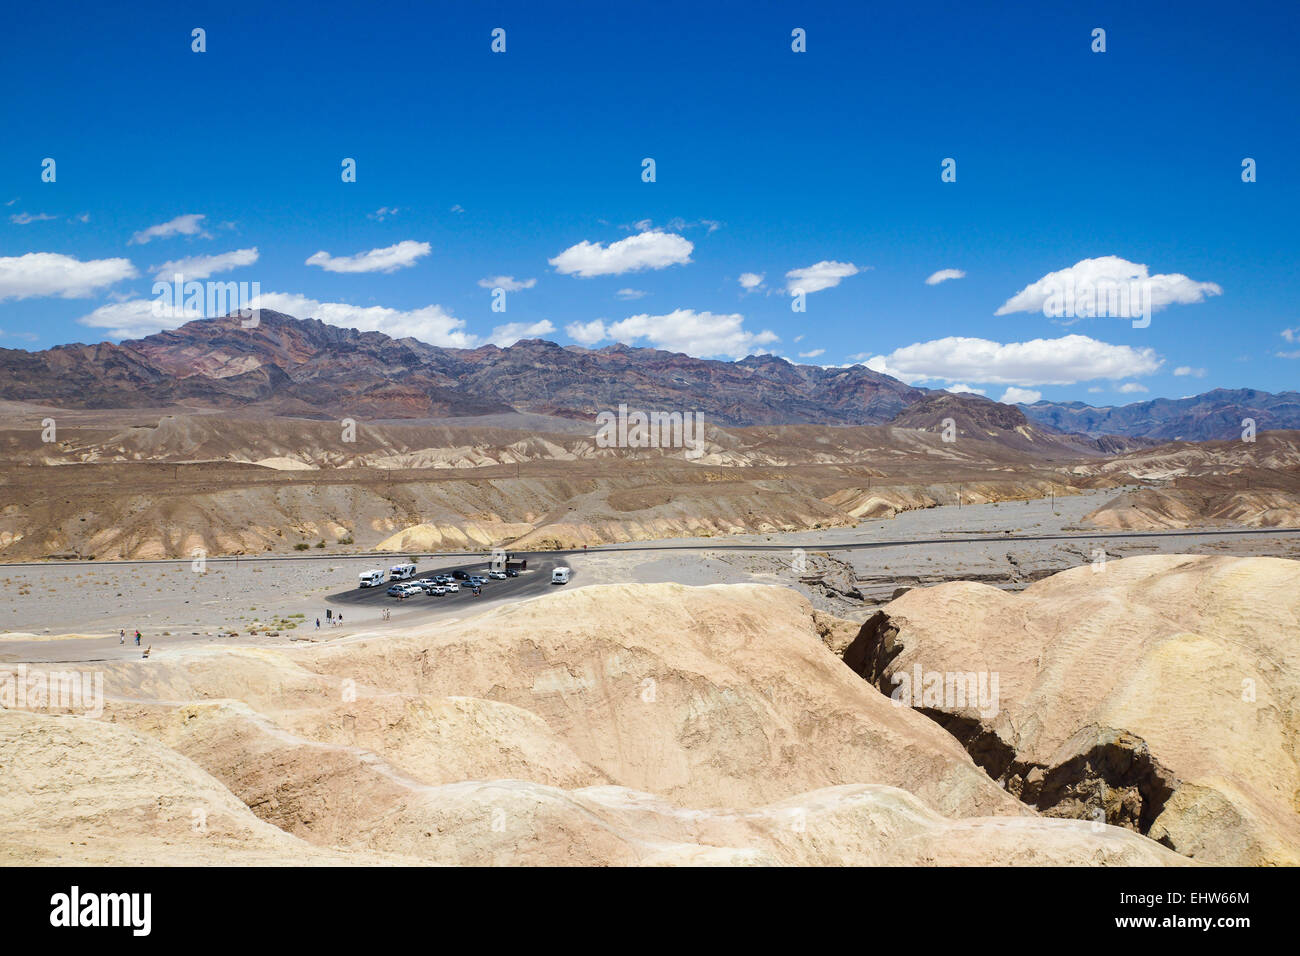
point(1229, 483)
point(634, 724)
point(1157, 693)
point(153, 484)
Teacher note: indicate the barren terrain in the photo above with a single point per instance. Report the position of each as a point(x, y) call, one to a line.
point(645, 724)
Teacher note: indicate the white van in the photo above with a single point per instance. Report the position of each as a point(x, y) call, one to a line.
point(371, 579)
point(401, 572)
point(560, 576)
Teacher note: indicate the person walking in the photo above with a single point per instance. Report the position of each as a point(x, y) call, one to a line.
point(121, 636)
point(137, 637)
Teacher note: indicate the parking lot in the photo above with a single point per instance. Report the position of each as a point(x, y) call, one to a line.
point(531, 582)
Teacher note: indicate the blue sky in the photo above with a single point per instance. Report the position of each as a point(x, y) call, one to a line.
point(528, 165)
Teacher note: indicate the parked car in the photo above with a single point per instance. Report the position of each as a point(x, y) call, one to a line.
point(401, 572)
point(401, 590)
point(497, 575)
point(443, 578)
point(476, 581)
point(452, 588)
point(512, 572)
point(460, 575)
point(371, 579)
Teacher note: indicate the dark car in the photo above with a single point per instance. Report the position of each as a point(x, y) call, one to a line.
point(512, 573)
point(460, 575)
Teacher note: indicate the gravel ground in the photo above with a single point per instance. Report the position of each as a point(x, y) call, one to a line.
point(171, 603)
point(877, 572)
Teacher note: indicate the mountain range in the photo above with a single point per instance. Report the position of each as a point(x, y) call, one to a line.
point(306, 368)
point(1217, 414)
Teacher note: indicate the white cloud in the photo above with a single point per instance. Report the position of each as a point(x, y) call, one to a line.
point(586, 333)
point(1106, 272)
point(23, 218)
point(54, 274)
point(646, 250)
point(1063, 361)
point(826, 274)
point(710, 226)
point(1188, 370)
point(509, 283)
point(388, 259)
point(190, 224)
point(813, 354)
point(200, 267)
point(1289, 355)
point(675, 224)
point(1132, 388)
point(750, 281)
point(431, 324)
point(701, 334)
point(382, 213)
point(136, 318)
point(961, 388)
point(458, 208)
point(506, 335)
point(1291, 335)
point(626, 294)
point(943, 275)
point(1020, 396)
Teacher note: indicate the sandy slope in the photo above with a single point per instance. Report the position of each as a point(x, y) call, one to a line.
point(128, 485)
point(1238, 483)
point(1161, 691)
point(623, 724)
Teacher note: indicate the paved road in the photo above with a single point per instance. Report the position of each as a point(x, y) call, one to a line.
point(696, 545)
point(536, 580)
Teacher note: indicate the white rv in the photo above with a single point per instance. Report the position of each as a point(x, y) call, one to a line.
point(560, 576)
point(371, 579)
point(401, 572)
